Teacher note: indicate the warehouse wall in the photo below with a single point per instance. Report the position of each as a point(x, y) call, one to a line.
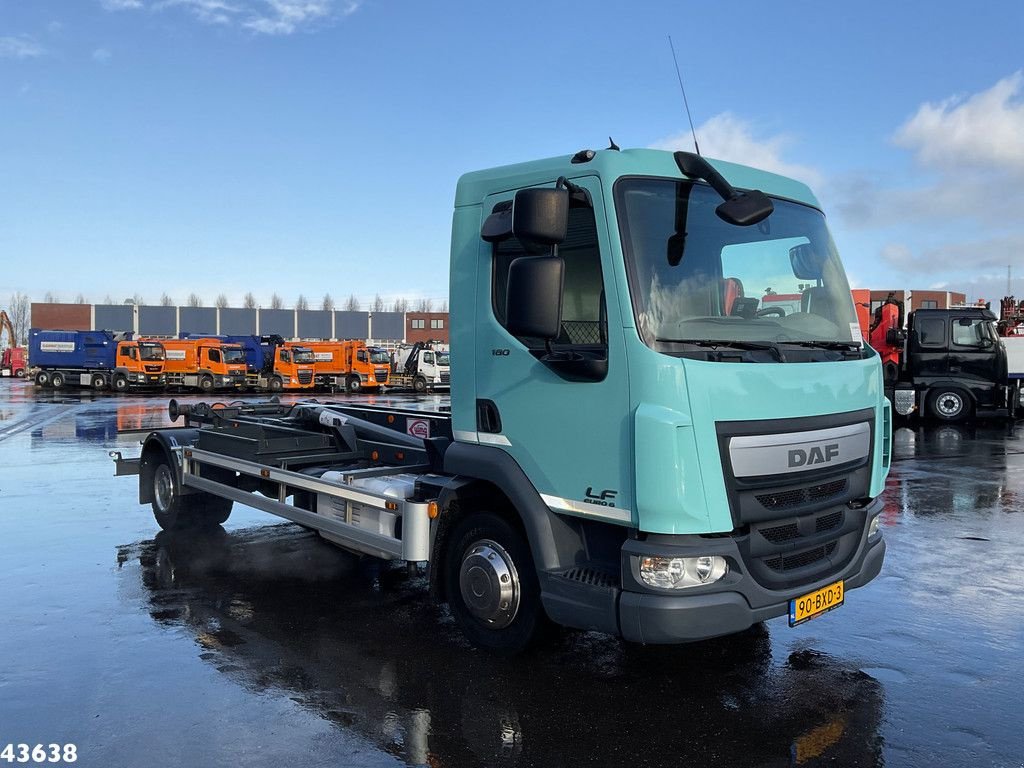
point(314, 324)
point(158, 321)
point(387, 326)
point(197, 320)
point(279, 321)
point(117, 318)
point(238, 321)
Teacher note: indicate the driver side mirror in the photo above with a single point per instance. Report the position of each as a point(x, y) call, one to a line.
point(534, 297)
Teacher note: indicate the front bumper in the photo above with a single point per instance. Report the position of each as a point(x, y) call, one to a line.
point(733, 604)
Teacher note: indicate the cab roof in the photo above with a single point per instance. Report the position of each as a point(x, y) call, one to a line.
point(611, 164)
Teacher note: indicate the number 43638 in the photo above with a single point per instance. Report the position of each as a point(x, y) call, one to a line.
point(40, 753)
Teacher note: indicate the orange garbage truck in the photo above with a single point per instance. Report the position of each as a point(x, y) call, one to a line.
point(349, 365)
point(289, 366)
point(205, 364)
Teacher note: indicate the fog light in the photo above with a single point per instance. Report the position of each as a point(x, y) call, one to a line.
point(682, 572)
point(874, 527)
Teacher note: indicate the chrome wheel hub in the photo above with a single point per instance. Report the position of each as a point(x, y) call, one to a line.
point(163, 487)
point(950, 404)
point(489, 584)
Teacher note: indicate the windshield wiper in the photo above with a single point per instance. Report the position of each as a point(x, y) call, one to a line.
point(848, 346)
point(746, 345)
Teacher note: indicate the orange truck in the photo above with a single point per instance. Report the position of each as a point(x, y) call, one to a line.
point(349, 365)
point(292, 368)
point(203, 364)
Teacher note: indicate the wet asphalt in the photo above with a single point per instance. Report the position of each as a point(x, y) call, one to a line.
point(261, 645)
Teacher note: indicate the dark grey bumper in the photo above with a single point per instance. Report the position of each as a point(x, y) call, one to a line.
point(736, 602)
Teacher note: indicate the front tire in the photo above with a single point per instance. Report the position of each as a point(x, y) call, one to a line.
point(275, 385)
point(949, 404)
point(353, 385)
point(206, 385)
point(120, 383)
point(175, 512)
point(20, 373)
point(419, 384)
point(492, 585)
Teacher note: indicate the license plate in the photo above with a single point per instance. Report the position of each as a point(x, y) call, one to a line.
point(815, 603)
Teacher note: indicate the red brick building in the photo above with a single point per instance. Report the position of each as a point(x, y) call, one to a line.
point(426, 326)
point(63, 317)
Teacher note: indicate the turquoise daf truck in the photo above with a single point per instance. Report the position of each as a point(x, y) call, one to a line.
point(641, 442)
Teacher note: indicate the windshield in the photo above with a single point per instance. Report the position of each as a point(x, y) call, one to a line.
point(380, 356)
point(694, 277)
point(151, 351)
point(233, 354)
point(442, 358)
point(304, 355)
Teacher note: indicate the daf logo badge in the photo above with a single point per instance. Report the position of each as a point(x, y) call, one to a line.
point(798, 457)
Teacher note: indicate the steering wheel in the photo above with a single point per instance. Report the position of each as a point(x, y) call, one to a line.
point(770, 311)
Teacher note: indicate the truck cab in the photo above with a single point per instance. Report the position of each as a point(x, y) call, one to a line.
point(367, 368)
point(955, 363)
point(13, 363)
point(422, 366)
point(138, 364)
point(206, 364)
point(293, 367)
point(698, 455)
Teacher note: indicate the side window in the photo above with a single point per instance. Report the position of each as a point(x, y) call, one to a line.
point(361, 355)
point(286, 356)
point(583, 314)
point(213, 355)
point(931, 332)
point(428, 358)
point(968, 335)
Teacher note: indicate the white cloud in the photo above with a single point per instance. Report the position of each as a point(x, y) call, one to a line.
point(20, 47)
point(101, 55)
point(267, 17)
point(728, 137)
point(984, 131)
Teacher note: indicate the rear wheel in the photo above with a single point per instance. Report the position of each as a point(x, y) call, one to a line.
point(175, 512)
point(43, 379)
point(949, 404)
point(492, 586)
point(353, 384)
point(57, 380)
point(99, 381)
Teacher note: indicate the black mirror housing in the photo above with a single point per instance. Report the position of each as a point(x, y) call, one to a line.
point(540, 216)
point(746, 209)
point(534, 296)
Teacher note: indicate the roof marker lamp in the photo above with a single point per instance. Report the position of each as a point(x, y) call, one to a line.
point(682, 572)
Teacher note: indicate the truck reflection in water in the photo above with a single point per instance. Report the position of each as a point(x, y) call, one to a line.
point(279, 611)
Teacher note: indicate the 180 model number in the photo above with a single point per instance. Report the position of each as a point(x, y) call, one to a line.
point(39, 753)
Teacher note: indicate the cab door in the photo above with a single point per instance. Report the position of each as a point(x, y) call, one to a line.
point(571, 438)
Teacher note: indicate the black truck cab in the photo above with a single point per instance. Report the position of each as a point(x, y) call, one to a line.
point(954, 362)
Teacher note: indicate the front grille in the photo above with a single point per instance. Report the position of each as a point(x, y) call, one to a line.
point(445, 378)
point(783, 563)
point(828, 522)
point(799, 496)
point(781, 533)
point(305, 377)
point(152, 369)
point(596, 577)
point(380, 374)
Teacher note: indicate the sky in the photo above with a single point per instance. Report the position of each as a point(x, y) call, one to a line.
point(313, 146)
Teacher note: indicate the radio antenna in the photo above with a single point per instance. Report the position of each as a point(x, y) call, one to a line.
point(686, 104)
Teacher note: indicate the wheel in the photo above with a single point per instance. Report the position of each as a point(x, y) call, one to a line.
point(492, 586)
point(275, 384)
point(43, 379)
point(950, 404)
point(175, 512)
point(353, 384)
point(419, 384)
point(20, 373)
point(120, 383)
point(206, 384)
point(57, 380)
point(99, 381)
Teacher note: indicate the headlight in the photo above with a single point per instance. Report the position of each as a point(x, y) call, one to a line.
point(682, 572)
point(874, 528)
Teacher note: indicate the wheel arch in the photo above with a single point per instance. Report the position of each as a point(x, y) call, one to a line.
point(488, 478)
point(159, 447)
